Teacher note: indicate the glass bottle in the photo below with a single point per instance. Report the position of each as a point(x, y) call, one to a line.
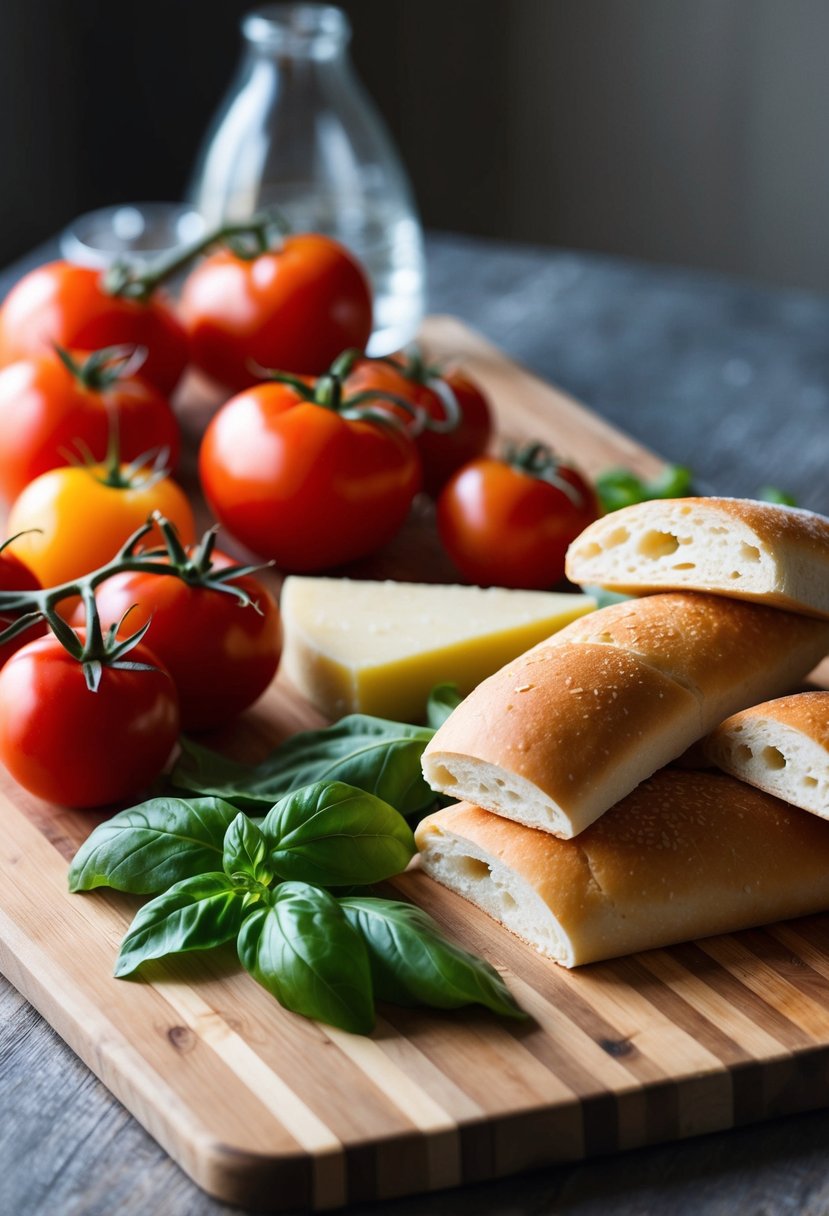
point(298, 130)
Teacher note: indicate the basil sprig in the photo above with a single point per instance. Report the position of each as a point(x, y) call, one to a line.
point(375, 755)
point(413, 964)
point(146, 849)
point(219, 875)
point(195, 914)
point(618, 488)
point(442, 700)
point(304, 951)
point(335, 835)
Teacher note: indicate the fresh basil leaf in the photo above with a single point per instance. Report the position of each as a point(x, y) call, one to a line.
point(618, 488)
point(377, 756)
point(442, 700)
point(335, 835)
point(303, 950)
point(773, 494)
point(246, 851)
point(672, 481)
point(195, 914)
point(413, 964)
point(147, 848)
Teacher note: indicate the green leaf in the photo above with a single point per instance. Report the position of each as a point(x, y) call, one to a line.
point(303, 950)
point(618, 488)
point(413, 964)
point(442, 700)
point(773, 494)
point(674, 481)
point(195, 914)
point(246, 851)
point(335, 835)
point(377, 756)
point(145, 849)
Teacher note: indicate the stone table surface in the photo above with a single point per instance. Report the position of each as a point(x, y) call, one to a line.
point(726, 376)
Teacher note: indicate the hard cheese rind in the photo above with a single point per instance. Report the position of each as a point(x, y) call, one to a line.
point(379, 647)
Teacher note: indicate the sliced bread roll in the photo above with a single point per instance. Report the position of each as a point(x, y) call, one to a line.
point(781, 747)
point(727, 546)
point(686, 855)
point(727, 652)
point(558, 736)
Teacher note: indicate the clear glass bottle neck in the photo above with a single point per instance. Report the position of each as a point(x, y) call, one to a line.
point(297, 32)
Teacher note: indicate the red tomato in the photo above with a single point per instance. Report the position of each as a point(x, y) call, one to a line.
point(65, 305)
point(507, 527)
point(15, 576)
point(294, 309)
point(299, 483)
point(221, 654)
point(45, 411)
point(442, 452)
point(80, 748)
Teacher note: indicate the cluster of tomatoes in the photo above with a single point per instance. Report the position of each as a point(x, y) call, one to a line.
point(312, 462)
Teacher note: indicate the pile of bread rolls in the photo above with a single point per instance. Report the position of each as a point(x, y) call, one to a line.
point(570, 830)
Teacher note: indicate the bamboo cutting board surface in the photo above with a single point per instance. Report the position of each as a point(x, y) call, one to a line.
point(267, 1109)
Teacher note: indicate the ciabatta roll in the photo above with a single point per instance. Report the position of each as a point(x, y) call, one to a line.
point(686, 855)
point(782, 747)
point(726, 546)
point(557, 737)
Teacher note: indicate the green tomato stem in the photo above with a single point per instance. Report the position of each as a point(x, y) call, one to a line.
point(246, 239)
point(171, 561)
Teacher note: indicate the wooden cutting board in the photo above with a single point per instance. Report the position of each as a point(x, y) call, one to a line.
point(267, 1109)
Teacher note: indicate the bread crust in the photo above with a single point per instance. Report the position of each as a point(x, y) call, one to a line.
point(685, 855)
point(718, 648)
point(581, 724)
point(725, 546)
point(557, 737)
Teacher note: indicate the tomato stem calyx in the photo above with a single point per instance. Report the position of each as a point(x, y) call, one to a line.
point(96, 649)
point(105, 366)
point(329, 391)
point(540, 461)
point(413, 366)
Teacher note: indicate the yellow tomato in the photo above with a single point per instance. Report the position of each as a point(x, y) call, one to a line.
point(75, 521)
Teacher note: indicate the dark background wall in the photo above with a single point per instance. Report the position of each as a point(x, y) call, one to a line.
point(695, 133)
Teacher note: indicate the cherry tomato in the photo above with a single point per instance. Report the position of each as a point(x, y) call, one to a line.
point(46, 411)
point(15, 576)
point(66, 305)
point(442, 452)
point(221, 654)
point(294, 309)
point(506, 526)
point(75, 522)
point(80, 748)
point(302, 484)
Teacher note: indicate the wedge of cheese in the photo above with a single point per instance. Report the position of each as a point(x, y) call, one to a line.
point(379, 647)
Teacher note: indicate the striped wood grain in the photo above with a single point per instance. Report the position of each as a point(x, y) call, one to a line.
point(268, 1109)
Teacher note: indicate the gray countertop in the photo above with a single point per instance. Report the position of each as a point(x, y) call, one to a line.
point(725, 376)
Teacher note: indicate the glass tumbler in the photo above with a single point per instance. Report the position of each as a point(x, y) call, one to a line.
point(297, 130)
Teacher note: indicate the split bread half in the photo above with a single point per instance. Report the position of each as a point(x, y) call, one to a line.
point(781, 747)
point(686, 855)
point(727, 546)
point(561, 734)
